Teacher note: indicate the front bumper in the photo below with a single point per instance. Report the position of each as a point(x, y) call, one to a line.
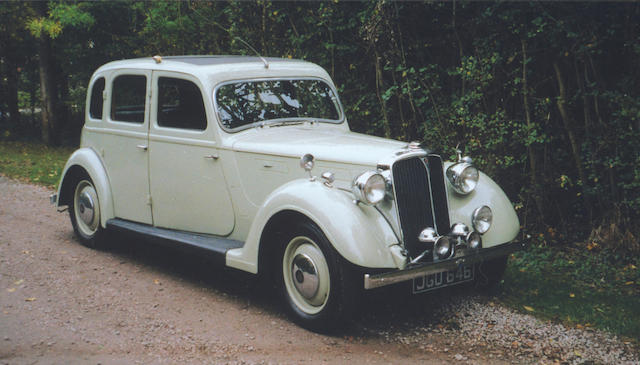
point(462, 257)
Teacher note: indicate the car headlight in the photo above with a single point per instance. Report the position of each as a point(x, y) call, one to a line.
point(369, 187)
point(463, 176)
point(482, 218)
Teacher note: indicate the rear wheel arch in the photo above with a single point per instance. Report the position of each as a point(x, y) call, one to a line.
point(73, 175)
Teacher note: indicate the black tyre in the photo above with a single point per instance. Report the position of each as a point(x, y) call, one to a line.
point(489, 274)
point(317, 286)
point(84, 212)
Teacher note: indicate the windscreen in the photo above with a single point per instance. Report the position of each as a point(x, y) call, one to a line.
point(243, 103)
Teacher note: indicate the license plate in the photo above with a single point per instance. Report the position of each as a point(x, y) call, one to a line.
point(442, 279)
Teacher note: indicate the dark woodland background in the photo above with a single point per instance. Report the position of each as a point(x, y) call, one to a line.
point(543, 95)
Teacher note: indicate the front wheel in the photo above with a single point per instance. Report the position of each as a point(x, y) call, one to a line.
point(316, 285)
point(85, 214)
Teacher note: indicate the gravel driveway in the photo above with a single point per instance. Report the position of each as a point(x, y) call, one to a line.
point(139, 303)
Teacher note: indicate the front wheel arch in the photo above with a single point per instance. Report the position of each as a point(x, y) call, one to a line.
point(274, 228)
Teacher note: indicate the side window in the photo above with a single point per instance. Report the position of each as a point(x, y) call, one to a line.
point(180, 104)
point(128, 95)
point(95, 106)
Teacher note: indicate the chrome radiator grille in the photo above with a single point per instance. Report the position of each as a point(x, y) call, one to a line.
point(421, 199)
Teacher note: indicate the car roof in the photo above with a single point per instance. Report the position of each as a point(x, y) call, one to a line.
point(223, 59)
point(161, 62)
point(218, 68)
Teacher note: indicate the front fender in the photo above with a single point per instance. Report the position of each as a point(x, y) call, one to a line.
point(89, 160)
point(358, 232)
point(505, 226)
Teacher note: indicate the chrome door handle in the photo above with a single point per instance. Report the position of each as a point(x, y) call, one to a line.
point(142, 147)
point(212, 157)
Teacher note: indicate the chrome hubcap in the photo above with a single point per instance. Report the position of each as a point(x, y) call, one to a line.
point(86, 207)
point(305, 275)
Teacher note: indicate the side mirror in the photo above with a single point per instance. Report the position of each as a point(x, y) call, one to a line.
point(306, 162)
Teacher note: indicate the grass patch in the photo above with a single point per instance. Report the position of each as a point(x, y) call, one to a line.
point(33, 162)
point(576, 286)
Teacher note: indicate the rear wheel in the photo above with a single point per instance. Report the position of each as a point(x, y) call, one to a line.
point(85, 214)
point(317, 286)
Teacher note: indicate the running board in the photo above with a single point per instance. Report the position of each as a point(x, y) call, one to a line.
point(214, 246)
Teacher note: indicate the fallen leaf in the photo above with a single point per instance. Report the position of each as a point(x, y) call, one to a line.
point(530, 309)
point(30, 299)
point(629, 283)
point(11, 290)
point(579, 326)
point(26, 252)
point(156, 281)
point(18, 282)
point(571, 295)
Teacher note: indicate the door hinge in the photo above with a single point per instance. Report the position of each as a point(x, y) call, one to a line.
point(149, 200)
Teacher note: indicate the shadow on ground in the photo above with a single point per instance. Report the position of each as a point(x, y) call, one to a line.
point(384, 309)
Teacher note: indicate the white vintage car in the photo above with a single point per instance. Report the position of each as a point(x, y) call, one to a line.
point(251, 160)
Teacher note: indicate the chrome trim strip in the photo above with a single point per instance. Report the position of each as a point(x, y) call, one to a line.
point(463, 257)
point(446, 190)
point(433, 209)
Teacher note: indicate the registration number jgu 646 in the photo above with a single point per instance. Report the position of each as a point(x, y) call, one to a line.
point(442, 279)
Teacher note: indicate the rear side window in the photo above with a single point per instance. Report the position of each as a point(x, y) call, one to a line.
point(128, 97)
point(180, 104)
point(95, 106)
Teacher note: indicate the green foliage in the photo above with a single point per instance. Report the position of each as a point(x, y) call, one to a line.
point(446, 73)
point(60, 15)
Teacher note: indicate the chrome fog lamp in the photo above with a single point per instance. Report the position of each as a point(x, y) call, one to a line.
point(443, 247)
point(428, 235)
point(369, 187)
point(460, 229)
point(482, 218)
point(474, 240)
point(463, 177)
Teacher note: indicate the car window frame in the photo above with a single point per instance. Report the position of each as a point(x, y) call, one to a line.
point(122, 125)
point(90, 96)
point(339, 121)
point(155, 85)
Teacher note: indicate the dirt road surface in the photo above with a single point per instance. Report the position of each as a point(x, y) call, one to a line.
point(136, 302)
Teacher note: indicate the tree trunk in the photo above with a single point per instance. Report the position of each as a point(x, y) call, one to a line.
point(47, 86)
point(12, 88)
point(533, 160)
point(379, 87)
point(573, 140)
point(47, 92)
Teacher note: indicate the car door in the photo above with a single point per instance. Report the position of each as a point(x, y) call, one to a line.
point(124, 143)
point(187, 183)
